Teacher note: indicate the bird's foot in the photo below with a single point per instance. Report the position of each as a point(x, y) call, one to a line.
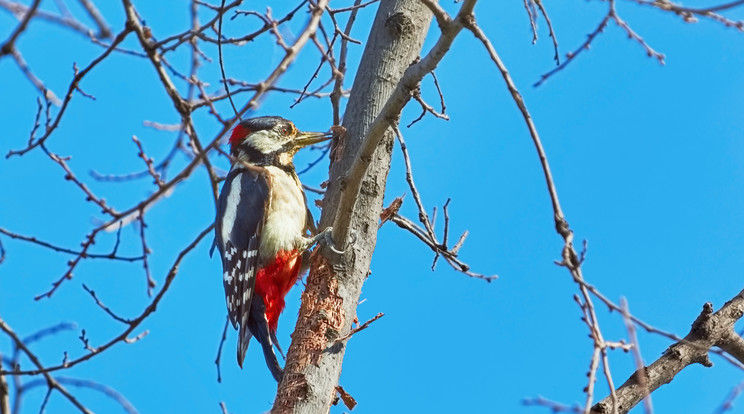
point(325, 237)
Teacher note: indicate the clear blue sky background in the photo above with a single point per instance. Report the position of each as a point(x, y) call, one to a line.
point(647, 160)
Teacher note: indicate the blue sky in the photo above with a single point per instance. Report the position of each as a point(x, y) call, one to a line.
point(647, 160)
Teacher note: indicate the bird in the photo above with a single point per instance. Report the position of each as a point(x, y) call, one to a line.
point(263, 228)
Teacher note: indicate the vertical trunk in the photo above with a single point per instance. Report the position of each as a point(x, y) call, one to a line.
point(332, 291)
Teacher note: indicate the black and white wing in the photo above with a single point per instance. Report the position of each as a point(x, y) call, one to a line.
point(240, 214)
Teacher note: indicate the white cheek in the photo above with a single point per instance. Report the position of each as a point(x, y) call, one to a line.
point(263, 142)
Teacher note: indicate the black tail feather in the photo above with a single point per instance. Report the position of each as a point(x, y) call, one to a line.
point(258, 327)
point(244, 338)
point(278, 347)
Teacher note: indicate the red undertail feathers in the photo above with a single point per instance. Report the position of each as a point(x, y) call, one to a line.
point(274, 281)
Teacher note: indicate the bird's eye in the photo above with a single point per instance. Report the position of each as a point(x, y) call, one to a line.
point(285, 130)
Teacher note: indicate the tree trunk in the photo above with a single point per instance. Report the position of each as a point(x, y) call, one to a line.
point(333, 287)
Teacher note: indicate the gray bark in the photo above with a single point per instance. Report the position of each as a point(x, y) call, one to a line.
point(330, 299)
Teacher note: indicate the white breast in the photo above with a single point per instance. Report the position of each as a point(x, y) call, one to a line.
point(286, 216)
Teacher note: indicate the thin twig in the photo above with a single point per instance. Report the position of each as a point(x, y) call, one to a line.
point(222, 65)
point(122, 337)
point(423, 217)
point(51, 382)
point(426, 234)
point(528, 6)
point(641, 374)
point(553, 406)
point(96, 386)
point(47, 93)
point(341, 69)
point(70, 90)
point(728, 403)
point(145, 252)
point(148, 162)
point(9, 44)
point(104, 307)
point(219, 349)
point(556, 57)
point(34, 240)
point(361, 327)
point(104, 31)
point(611, 15)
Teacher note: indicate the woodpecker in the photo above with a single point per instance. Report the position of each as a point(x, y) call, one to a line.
point(262, 228)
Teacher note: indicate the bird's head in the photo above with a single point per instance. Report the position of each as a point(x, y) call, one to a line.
point(270, 140)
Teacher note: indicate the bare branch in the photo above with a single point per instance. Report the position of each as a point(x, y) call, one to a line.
point(688, 14)
point(104, 307)
point(73, 86)
point(529, 7)
point(145, 253)
point(341, 69)
point(611, 15)
point(556, 57)
point(219, 349)
point(361, 327)
point(34, 240)
point(20, 10)
point(47, 93)
point(148, 162)
point(104, 31)
point(52, 330)
point(222, 64)
point(51, 382)
point(9, 44)
point(423, 217)
point(171, 274)
point(427, 108)
point(707, 331)
point(357, 5)
point(728, 403)
point(552, 405)
point(96, 386)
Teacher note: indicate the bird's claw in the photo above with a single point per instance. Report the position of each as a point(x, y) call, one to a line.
point(327, 239)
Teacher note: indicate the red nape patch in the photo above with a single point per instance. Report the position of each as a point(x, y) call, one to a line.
point(238, 134)
point(274, 281)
